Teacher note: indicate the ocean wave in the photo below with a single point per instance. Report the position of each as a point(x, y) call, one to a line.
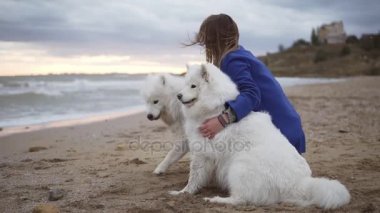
point(58, 88)
point(36, 99)
point(44, 92)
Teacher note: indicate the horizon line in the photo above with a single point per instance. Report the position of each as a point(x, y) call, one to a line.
point(85, 73)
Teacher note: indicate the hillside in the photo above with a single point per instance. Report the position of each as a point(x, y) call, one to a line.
point(327, 60)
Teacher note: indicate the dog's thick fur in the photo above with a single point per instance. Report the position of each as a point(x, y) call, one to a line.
point(160, 94)
point(251, 159)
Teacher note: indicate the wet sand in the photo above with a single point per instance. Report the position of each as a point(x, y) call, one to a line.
point(106, 166)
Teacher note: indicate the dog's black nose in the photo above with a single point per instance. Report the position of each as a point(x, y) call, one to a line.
point(150, 116)
point(179, 96)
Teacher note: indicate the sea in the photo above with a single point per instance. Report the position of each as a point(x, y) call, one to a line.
point(28, 100)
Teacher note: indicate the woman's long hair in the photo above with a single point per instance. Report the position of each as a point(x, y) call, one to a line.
point(219, 35)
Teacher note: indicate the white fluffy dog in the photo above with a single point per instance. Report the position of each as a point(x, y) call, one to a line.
point(160, 94)
point(251, 158)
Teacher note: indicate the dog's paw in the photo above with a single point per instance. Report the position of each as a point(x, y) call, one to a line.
point(207, 199)
point(158, 171)
point(225, 200)
point(175, 193)
point(215, 199)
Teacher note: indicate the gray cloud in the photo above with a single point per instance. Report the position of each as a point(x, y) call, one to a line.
point(145, 27)
point(358, 15)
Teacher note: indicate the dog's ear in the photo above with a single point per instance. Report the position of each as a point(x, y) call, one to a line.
point(204, 72)
point(163, 80)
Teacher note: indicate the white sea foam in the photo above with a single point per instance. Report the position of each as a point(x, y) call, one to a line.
point(56, 88)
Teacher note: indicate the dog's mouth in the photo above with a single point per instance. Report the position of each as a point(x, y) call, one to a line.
point(189, 103)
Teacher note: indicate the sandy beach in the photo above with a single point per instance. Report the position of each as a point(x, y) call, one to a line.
point(106, 166)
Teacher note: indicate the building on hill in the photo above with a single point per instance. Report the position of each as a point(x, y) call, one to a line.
point(331, 33)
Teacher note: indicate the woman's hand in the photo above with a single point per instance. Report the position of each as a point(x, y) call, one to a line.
point(211, 127)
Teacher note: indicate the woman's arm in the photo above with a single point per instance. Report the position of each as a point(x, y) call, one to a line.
point(250, 96)
point(248, 99)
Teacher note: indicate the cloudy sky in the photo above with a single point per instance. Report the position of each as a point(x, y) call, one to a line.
point(133, 36)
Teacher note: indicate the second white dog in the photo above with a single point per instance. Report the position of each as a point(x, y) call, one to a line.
point(251, 159)
point(160, 94)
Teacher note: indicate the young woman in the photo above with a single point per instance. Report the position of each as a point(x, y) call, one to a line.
point(259, 90)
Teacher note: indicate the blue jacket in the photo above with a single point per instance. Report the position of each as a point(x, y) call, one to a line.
point(260, 91)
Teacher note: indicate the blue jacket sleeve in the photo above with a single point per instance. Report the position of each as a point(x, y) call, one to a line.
point(250, 96)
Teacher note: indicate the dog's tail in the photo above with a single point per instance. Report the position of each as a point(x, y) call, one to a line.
point(325, 193)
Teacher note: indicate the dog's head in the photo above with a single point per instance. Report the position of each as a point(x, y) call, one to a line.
point(153, 92)
point(206, 87)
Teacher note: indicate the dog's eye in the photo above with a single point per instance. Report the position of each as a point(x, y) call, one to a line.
point(155, 102)
point(193, 86)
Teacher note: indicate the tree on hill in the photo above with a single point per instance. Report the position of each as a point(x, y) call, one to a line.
point(281, 48)
point(314, 38)
point(346, 50)
point(352, 39)
point(301, 43)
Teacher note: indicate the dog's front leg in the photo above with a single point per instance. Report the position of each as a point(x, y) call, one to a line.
point(176, 153)
point(201, 170)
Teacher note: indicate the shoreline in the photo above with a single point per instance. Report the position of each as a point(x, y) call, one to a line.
point(288, 82)
point(6, 131)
